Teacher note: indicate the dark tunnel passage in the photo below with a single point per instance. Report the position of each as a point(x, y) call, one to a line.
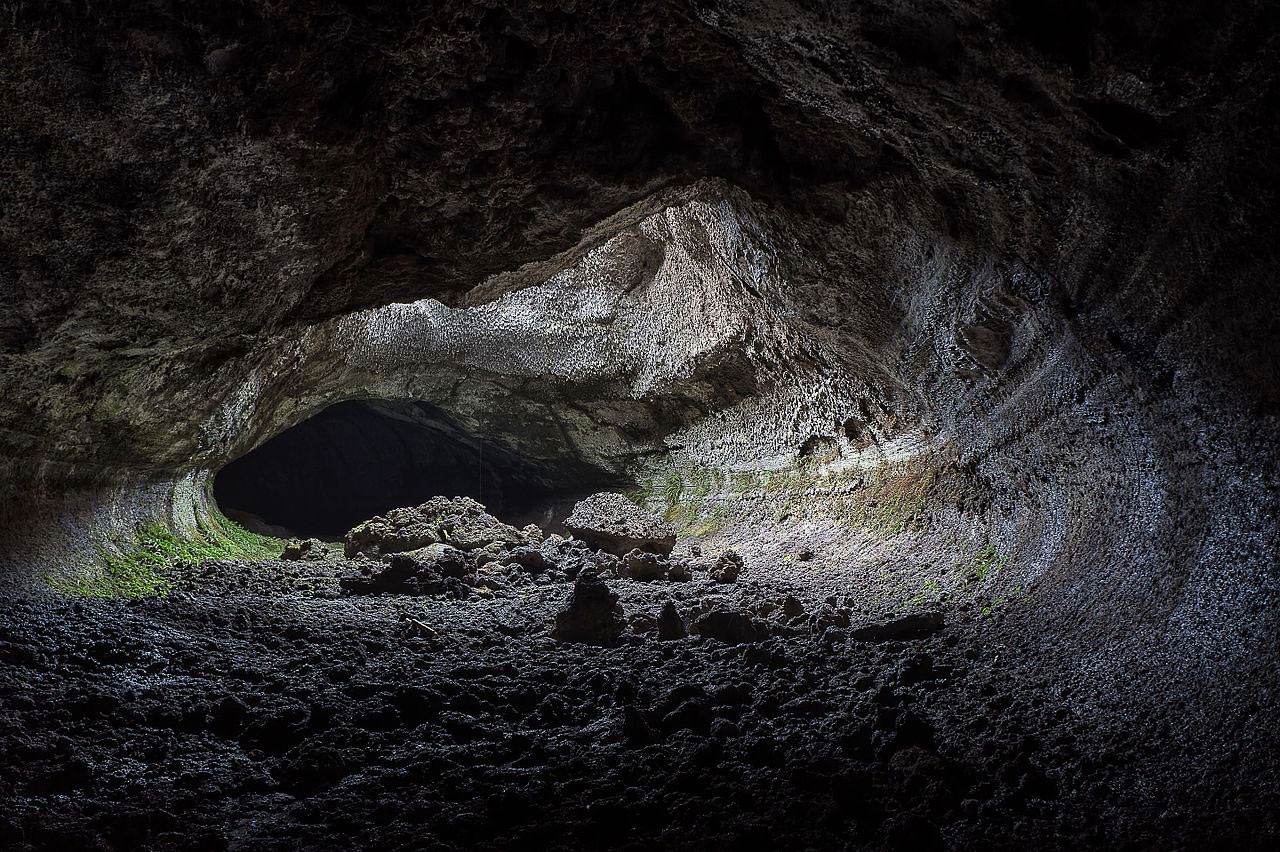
point(358, 459)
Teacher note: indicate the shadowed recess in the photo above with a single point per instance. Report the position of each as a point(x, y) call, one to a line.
point(360, 458)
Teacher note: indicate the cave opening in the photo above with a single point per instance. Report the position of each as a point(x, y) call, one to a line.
point(360, 458)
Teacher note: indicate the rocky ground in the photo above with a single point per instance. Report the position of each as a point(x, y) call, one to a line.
point(291, 704)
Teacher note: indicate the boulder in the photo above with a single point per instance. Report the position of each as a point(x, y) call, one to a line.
point(311, 549)
point(614, 524)
point(457, 521)
point(427, 571)
point(593, 615)
point(731, 626)
point(680, 571)
point(728, 567)
point(642, 565)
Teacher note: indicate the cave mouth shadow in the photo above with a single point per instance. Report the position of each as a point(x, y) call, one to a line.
point(360, 458)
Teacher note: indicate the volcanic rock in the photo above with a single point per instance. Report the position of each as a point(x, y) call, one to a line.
point(427, 571)
point(593, 615)
point(670, 624)
point(311, 549)
point(913, 626)
point(731, 626)
point(614, 524)
point(458, 521)
point(727, 568)
point(642, 565)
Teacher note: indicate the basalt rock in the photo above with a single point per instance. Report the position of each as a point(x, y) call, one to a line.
point(593, 615)
point(614, 524)
point(311, 549)
point(460, 522)
point(670, 624)
point(426, 571)
point(727, 567)
point(913, 626)
point(643, 565)
point(731, 626)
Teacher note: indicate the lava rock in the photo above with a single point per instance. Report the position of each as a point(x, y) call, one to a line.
point(614, 524)
point(531, 560)
point(914, 626)
point(593, 615)
point(428, 571)
point(731, 626)
point(458, 521)
point(680, 571)
point(311, 549)
point(642, 565)
point(670, 624)
point(728, 567)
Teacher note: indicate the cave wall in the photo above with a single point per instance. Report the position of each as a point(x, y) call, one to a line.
point(1035, 240)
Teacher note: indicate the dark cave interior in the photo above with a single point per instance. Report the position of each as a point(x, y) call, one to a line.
point(359, 458)
point(666, 424)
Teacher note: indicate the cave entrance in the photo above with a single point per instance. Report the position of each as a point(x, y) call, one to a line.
point(361, 458)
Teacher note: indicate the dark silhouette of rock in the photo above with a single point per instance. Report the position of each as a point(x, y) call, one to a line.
point(593, 615)
point(670, 624)
point(731, 626)
point(914, 626)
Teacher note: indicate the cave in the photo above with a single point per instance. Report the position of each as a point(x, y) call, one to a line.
point(677, 424)
point(360, 458)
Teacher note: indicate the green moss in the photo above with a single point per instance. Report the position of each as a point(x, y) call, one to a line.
point(672, 487)
point(930, 593)
point(689, 521)
point(138, 568)
point(640, 495)
point(983, 563)
point(1018, 595)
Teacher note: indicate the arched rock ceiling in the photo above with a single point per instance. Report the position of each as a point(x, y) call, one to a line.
point(1041, 235)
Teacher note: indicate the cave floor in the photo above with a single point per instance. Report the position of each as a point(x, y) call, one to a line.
point(257, 708)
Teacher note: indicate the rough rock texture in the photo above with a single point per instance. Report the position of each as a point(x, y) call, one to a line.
point(615, 524)
point(593, 614)
point(972, 298)
point(460, 522)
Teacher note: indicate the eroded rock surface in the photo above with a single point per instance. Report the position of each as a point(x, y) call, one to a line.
point(615, 524)
point(459, 522)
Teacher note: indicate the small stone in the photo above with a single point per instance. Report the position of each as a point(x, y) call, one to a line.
point(641, 565)
point(593, 615)
point(791, 607)
point(805, 555)
point(670, 624)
